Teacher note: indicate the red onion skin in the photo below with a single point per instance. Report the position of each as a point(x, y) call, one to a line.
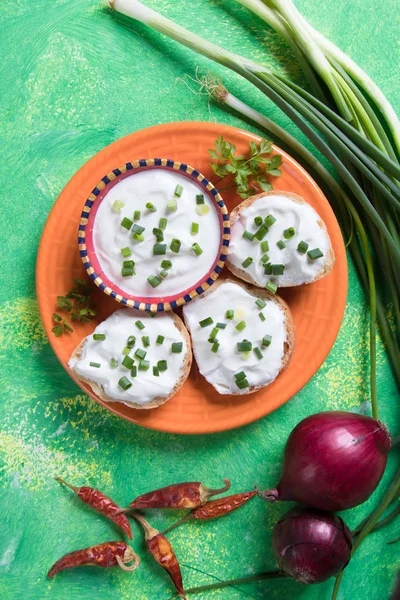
point(311, 545)
point(333, 461)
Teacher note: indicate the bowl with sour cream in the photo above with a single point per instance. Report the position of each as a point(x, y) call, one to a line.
point(154, 234)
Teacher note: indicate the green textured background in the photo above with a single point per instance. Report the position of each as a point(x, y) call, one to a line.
point(72, 80)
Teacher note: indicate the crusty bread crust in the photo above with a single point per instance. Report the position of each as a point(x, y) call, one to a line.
point(289, 324)
point(235, 214)
point(187, 363)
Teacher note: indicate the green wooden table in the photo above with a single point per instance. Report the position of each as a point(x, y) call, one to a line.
point(72, 80)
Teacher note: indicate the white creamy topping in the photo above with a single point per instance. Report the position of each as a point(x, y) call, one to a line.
point(145, 386)
point(219, 368)
point(156, 186)
point(299, 268)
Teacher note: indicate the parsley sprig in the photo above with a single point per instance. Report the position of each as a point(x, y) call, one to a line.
point(249, 174)
point(78, 304)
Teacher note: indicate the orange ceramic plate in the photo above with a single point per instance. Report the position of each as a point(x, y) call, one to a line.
point(317, 308)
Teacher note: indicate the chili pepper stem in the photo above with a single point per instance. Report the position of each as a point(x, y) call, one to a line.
point(149, 531)
point(129, 555)
point(124, 511)
point(268, 495)
point(231, 582)
point(71, 487)
point(188, 517)
point(206, 492)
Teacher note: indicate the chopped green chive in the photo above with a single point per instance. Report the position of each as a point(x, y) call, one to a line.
point(241, 325)
point(178, 191)
point(117, 205)
point(126, 350)
point(258, 353)
point(172, 206)
point(247, 235)
point(262, 316)
point(128, 264)
point(258, 221)
point(203, 209)
point(246, 263)
point(124, 383)
point(160, 339)
point(127, 271)
point(229, 314)
point(195, 228)
point(240, 375)
point(261, 303)
point(221, 325)
point(244, 346)
point(126, 252)
point(159, 249)
point(196, 249)
point(200, 199)
point(139, 324)
point(158, 233)
point(271, 287)
point(128, 362)
point(206, 322)
point(242, 383)
point(278, 269)
point(214, 333)
point(266, 341)
point(156, 372)
point(289, 233)
point(114, 363)
point(281, 245)
point(264, 246)
point(99, 337)
point(136, 215)
point(175, 245)
point(314, 254)
point(134, 371)
point(163, 273)
point(214, 347)
point(146, 341)
point(137, 228)
point(141, 354)
point(177, 347)
point(166, 264)
point(127, 223)
point(261, 233)
point(163, 223)
point(131, 341)
point(154, 281)
point(150, 207)
point(268, 269)
point(269, 220)
point(302, 247)
point(264, 258)
point(95, 364)
point(162, 365)
point(144, 365)
point(138, 237)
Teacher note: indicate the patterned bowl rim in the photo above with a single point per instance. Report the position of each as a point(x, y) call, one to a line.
point(88, 254)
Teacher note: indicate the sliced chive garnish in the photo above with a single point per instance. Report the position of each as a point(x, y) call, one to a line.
point(137, 228)
point(241, 325)
point(240, 375)
point(150, 314)
point(247, 235)
point(162, 365)
point(194, 229)
point(114, 363)
point(95, 364)
point(177, 347)
point(99, 337)
point(196, 249)
point(146, 341)
point(175, 245)
point(144, 365)
point(214, 332)
point(126, 252)
point(302, 247)
point(178, 191)
point(134, 371)
point(268, 269)
point(261, 233)
point(206, 322)
point(244, 346)
point(154, 281)
point(264, 245)
point(262, 316)
point(261, 303)
point(163, 273)
point(124, 383)
point(229, 314)
point(140, 354)
point(131, 341)
point(289, 233)
point(314, 254)
point(127, 271)
point(172, 206)
point(126, 350)
point(278, 269)
point(136, 215)
point(163, 223)
point(246, 263)
point(258, 221)
point(203, 209)
point(117, 205)
point(160, 339)
point(127, 223)
point(264, 259)
point(151, 207)
point(242, 383)
point(214, 347)
point(269, 220)
point(166, 264)
point(128, 264)
point(271, 287)
point(281, 245)
point(159, 249)
point(139, 324)
point(158, 233)
point(128, 362)
point(138, 237)
point(266, 341)
point(221, 325)
point(156, 372)
point(258, 353)
point(199, 199)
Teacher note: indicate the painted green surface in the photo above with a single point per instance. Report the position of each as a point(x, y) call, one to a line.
point(72, 80)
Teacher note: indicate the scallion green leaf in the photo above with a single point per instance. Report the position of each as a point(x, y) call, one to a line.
point(289, 233)
point(126, 223)
point(150, 207)
point(241, 325)
point(206, 322)
point(178, 191)
point(159, 249)
point(156, 372)
point(163, 223)
point(144, 365)
point(166, 264)
point(271, 287)
point(229, 314)
point(126, 252)
point(139, 324)
point(114, 363)
point(264, 245)
point(136, 215)
point(160, 340)
point(176, 347)
point(128, 362)
point(194, 229)
point(247, 262)
point(175, 245)
point(302, 247)
point(162, 365)
point(99, 337)
point(281, 245)
point(124, 383)
point(95, 364)
point(314, 254)
point(247, 235)
point(146, 341)
point(172, 206)
point(140, 353)
point(154, 281)
point(117, 205)
point(258, 353)
point(196, 249)
point(266, 341)
point(200, 199)
point(269, 220)
point(244, 346)
point(261, 303)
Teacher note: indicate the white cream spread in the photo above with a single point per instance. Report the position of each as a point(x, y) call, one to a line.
point(220, 368)
point(299, 268)
point(145, 386)
point(156, 186)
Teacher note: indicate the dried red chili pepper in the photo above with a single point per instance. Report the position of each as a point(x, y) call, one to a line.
point(162, 552)
point(109, 554)
point(102, 503)
point(216, 508)
point(178, 496)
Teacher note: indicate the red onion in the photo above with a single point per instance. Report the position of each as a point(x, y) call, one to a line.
point(333, 461)
point(311, 545)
